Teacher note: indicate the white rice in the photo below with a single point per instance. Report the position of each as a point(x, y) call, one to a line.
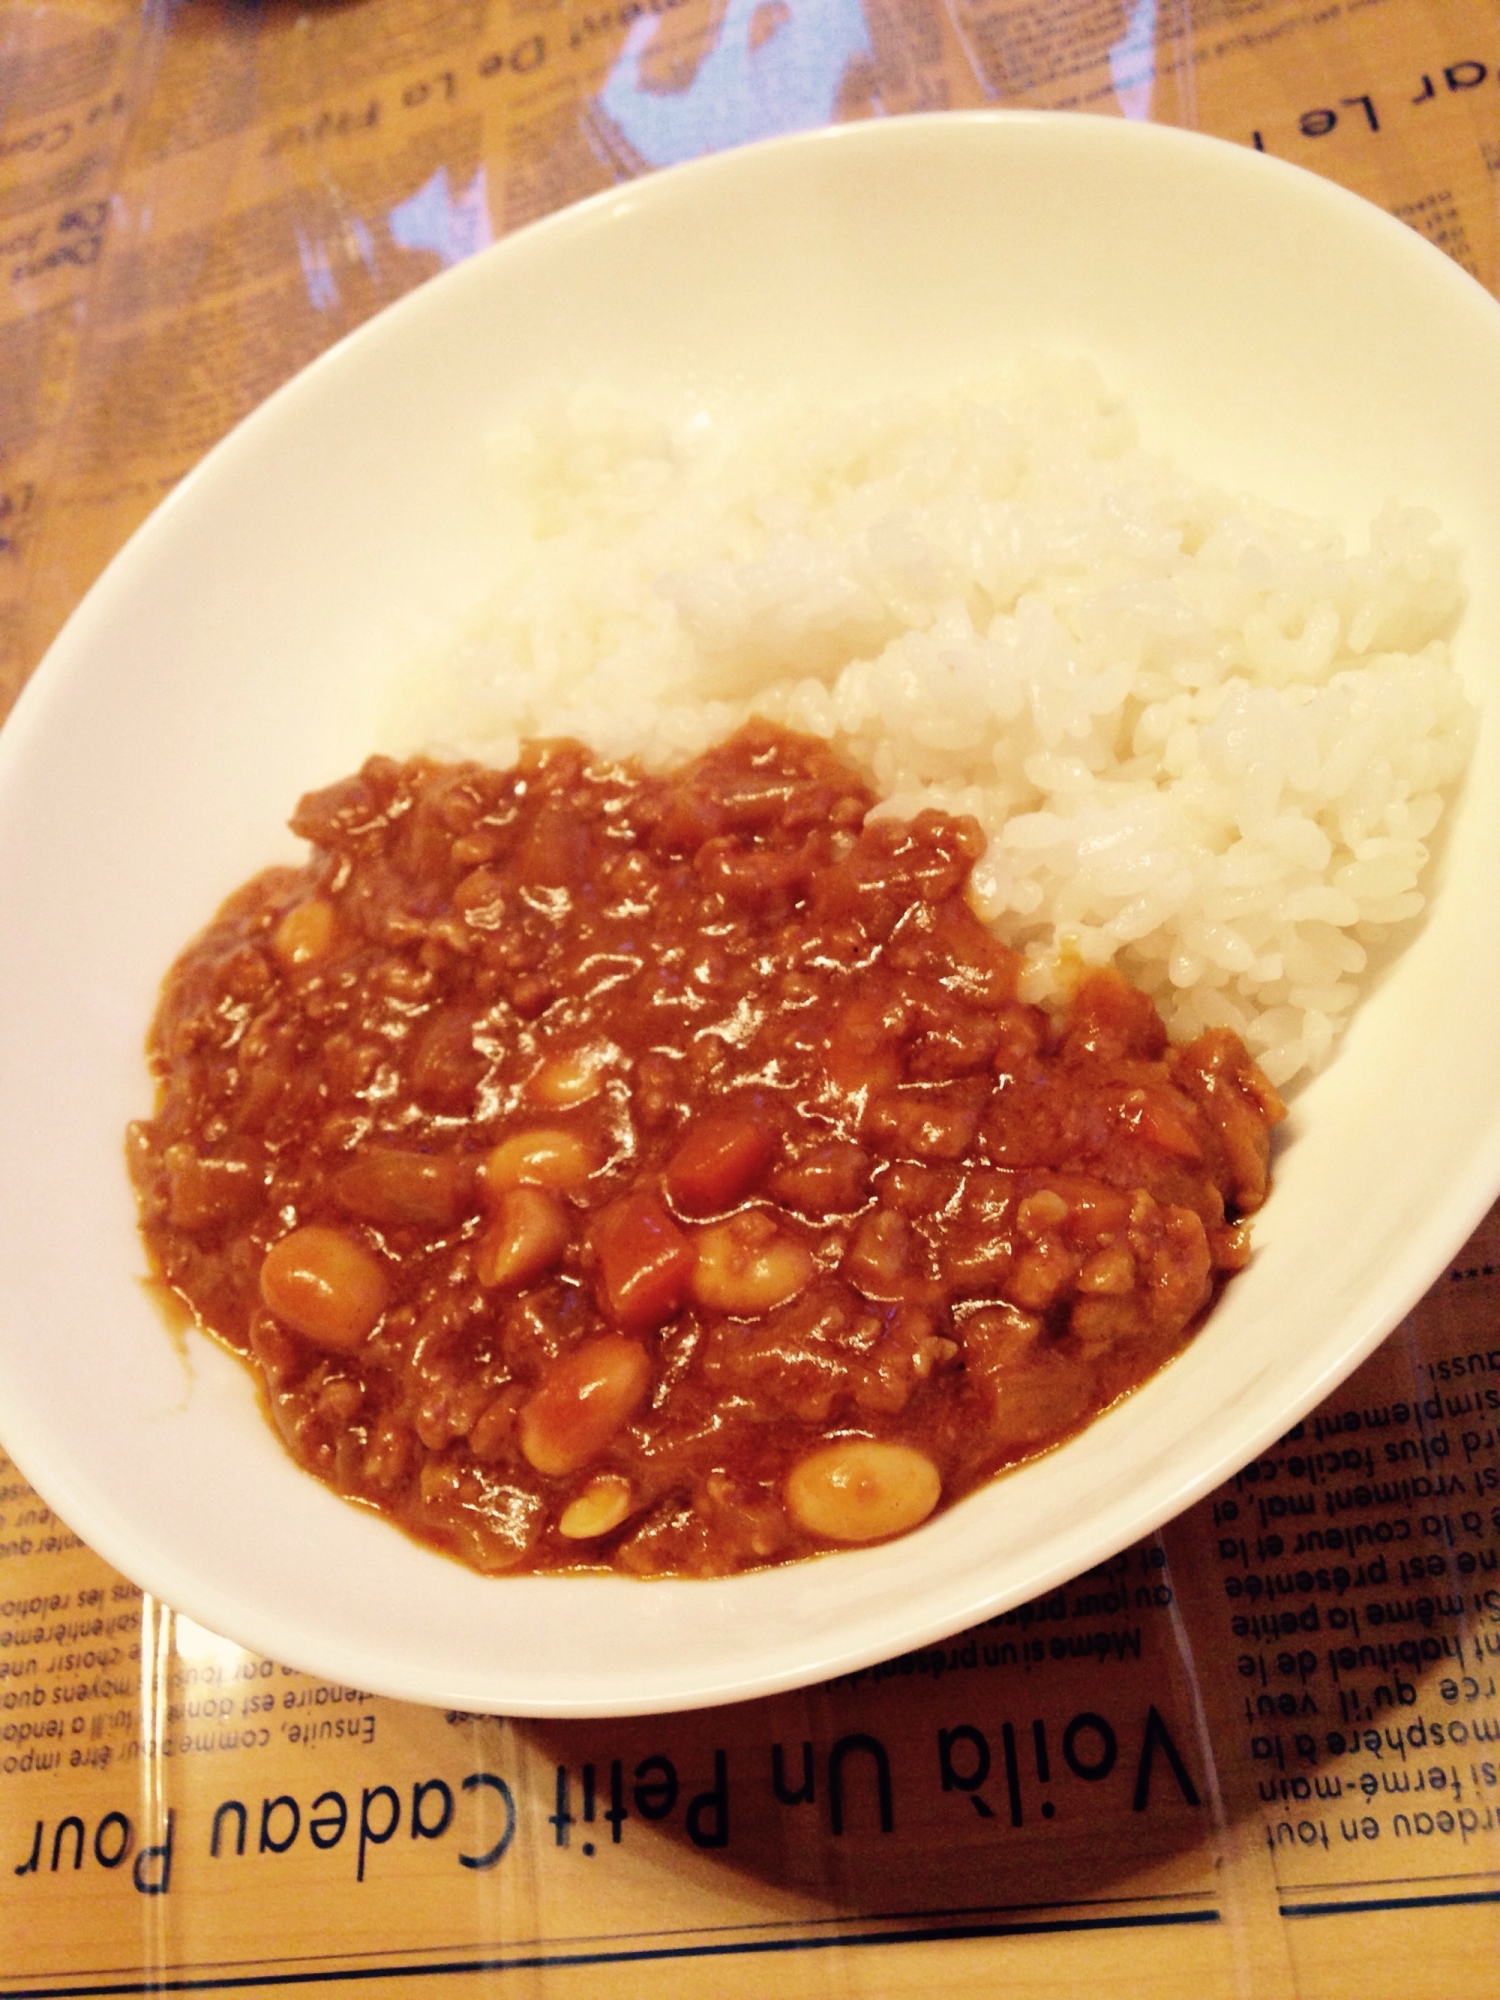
point(1209, 741)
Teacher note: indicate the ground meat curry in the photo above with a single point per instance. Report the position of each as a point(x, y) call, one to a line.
point(601, 1170)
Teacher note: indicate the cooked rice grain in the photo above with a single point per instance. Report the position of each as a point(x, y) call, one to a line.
point(1208, 740)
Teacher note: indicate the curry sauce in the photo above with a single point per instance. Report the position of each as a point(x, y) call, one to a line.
point(662, 1173)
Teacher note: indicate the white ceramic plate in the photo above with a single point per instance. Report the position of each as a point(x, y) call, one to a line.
point(1269, 329)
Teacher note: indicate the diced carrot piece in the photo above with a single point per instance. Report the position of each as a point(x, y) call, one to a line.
point(1159, 1125)
point(1108, 1019)
point(645, 1261)
point(718, 1163)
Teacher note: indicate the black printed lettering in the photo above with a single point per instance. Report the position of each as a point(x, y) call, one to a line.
point(487, 1781)
point(1039, 1745)
point(328, 1829)
point(875, 1749)
point(655, 1799)
point(369, 1836)
point(1157, 1733)
point(561, 1819)
point(152, 1872)
point(1093, 1725)
point(1012, 1772)
point(526, 56)
point(122, 1828)
point(271, 1843)
point(242, 1818)
point(75, 1825)
point(708, 1813)
point(616, 1814)
point(420, 1793)
point(1368, 106)
point(804, 1795)
point(978, 1744)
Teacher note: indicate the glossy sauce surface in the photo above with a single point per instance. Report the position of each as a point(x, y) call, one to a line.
point(661, 1173)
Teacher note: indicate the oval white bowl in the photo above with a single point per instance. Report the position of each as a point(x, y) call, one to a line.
point(1270, 330)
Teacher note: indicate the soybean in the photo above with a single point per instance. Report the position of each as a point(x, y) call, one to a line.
point(542, 1156)
point(862, 1490)
point(526, 1238)
point(583, 1403)
point(326, 1286)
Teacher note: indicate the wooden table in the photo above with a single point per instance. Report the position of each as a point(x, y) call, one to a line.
point(1258, 1755)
